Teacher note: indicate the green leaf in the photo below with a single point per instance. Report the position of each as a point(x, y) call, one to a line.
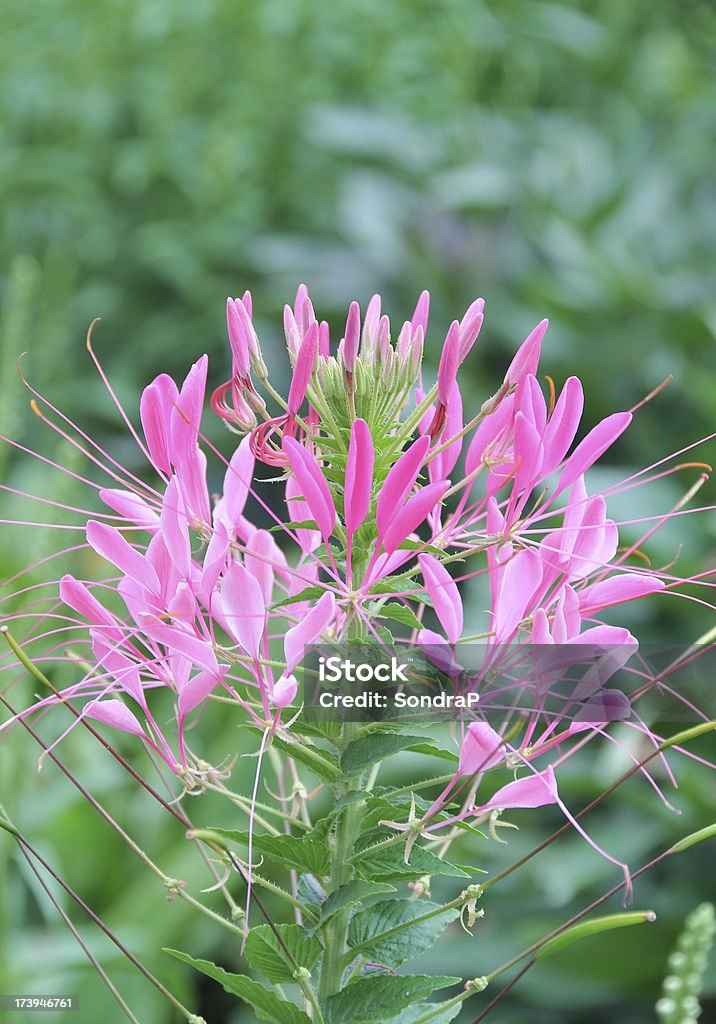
point(369, 1000)
point(397, 916)
point(299, 852)
point(266, 954)
point(307, 594)
point(413, 1013)
point(599, 924)
point(388, 864)
point(356, 891)
point(293, 524)
point(395, 585)
point(368, 750)
point(268, 1006)
point(322, 763)
point(400, 613)
point(310, 891)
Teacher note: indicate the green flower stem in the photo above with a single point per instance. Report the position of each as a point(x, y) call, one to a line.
point(347, 831)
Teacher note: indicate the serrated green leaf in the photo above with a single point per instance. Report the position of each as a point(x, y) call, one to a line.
point(351, 893)
point(375, 746)
point(302, 853)
point(397, 916)
point(388, 865)
point(266, 954)
point(268, 1006)
point(369, 1000)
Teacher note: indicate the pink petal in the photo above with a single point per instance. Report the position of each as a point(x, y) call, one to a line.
point(526, 359)
point(352, 337)
point(78, 597)
point(243, 607)
point(303, 369)
point(399, 482)
point(284, 691)
point(421, 312)
point(298, 512)
point(445, 596)
point(412, 514)
point(237, 482)
point(532, 791)
point(449, 362)
point(131, 507)
point(441, 466)
point(263, 555)
point(470, 326)
point(191, 475)
point(359, 475)
point(237, 339)
point(482, 748)
point(313, 485)
point(618, 590)
point(308, 630)
point(517, 582)
point(155, 410)
point(110, 544)
point(593, 447)
point(563, 423)
point(186, 415)
point(196, 690)
point(527, 454)
point(114, 713)
point(175, 530)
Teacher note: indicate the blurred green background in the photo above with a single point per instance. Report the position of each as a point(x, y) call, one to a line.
point(556, 158)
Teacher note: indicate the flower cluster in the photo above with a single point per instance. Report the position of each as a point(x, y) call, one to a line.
point(388, 487)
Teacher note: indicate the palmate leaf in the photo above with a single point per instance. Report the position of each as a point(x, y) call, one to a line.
point(411, 940)
point(369, 1000)
point(268, 1006)
point(266, 954)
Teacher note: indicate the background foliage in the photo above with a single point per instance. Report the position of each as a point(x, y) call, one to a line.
point(157, 155)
